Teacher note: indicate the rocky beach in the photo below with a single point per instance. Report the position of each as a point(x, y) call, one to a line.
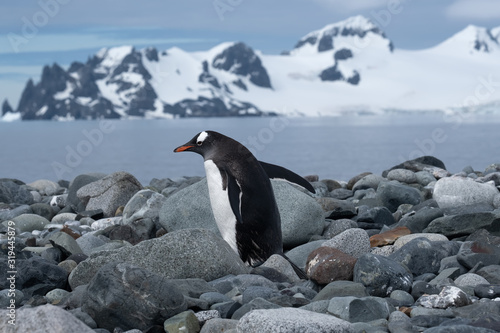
point(414, 249)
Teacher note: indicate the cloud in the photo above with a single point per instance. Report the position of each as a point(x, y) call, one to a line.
point(351, 6)
point(78, 41)
point(474, 9)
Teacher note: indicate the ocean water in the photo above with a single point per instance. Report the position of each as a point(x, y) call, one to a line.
point(336, 147)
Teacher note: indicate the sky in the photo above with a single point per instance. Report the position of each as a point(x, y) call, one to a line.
point(40, 32)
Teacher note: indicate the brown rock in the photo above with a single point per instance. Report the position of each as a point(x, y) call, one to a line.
point(327, 264)
point(388, 237)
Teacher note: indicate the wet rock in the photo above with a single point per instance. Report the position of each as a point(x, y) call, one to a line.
point(490, 273)
point(418, 221)
point(491, 291)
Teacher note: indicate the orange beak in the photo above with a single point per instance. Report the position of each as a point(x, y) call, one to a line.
point(182, 148)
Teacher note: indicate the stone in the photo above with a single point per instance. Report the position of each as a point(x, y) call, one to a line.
point(338, 209)
point(424, 178)
point(388, 237)
point(420, 288)
point(368, 181)
point(257, 303)
point(56, 295)
point(341, 194)
point(418, 164)
point(355, 179)
point(45, 187)
point(363, 309)
point(458, 329)
point(403, 240)
point(189, 253)
point(399, 323)
point(84, 317)
point(12, 191)
point(450, 296)
point(68, 265)
point(354, 242)
point(37, 276)
point(88, 243)
point(336, 227)
point(192, 287)
point(7, 295)
point(298, 255)
point(41, 319)
point(144, 204)
point(8, 213)
point(301, 216)
point(402, 175)
point(477, 310)
point(43, 210)
point(381, 275)
point(253, 292)
point(29, 222)
point(183, 322)
point(472, 253)
point(483, 236)
point(109, 193)
point(213, 297)
point(150, 298)
point(65, 243)
point(419, 220)
point(81, 180)
point(402, 298)
point(63, 217)
point(292, 321)
point(423, 256)
point(217, 325)
point(341, 289)
point(240, 283)
point(280, 264)
point(377, 215)
point(443, 276)
point(490, 273)
point(392, 194)
point(326, 264)
point(470, 279)
point(491, 291)
point(457, 191)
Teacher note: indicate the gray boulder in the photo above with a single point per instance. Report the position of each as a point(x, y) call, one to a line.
point(292, 321)
point(465, 224)
point(42, 319)
point(354, 242)
point(12, 191)
point(456, 192)
point(144, 204)
point(126, 296)
point(392, 194)
point(109, 193)
point(301, 215)
point(45, 187)
point(29, 222)
point(189, 253)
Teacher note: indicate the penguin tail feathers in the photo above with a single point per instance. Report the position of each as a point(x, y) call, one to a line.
point(296, 268)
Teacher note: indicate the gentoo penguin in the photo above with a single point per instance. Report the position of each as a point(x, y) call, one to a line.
point(242, 197)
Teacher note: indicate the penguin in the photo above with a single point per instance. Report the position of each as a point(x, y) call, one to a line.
point(242, 197)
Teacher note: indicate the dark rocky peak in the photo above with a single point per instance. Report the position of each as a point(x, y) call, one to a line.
point(75, 67)
point(54, 78)
point(242, 60)
point(342, 54)
point(151, 54)
point(6, 107)
point(132, 62)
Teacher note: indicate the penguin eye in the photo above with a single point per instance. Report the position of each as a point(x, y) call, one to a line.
point(199, 143)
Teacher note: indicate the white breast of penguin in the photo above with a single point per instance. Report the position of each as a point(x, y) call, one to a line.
point(221, 208)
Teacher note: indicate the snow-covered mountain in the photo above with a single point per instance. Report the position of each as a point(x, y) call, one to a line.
point(345, 67)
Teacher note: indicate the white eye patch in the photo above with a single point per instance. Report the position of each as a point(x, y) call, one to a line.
point(202, 137)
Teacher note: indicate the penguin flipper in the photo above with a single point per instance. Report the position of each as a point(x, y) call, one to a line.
point(234, 193)
point(278, 172)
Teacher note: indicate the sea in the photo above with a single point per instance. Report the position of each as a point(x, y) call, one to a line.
point(330, 147)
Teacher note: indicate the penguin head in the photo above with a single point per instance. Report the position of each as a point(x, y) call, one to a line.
point(203, 143)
